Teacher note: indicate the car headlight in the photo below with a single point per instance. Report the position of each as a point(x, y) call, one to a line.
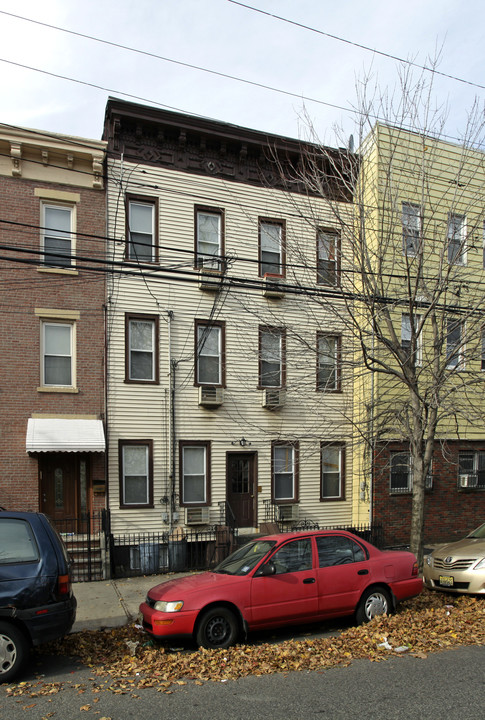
point(168, 606)
point(429, 560)
point(480, 565)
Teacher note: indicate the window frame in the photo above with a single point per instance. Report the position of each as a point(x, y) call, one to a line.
point(199, 257)
point(154, 319)
point(409, 485)
point(71, 324)
point(341, 471)
point(411, 249)
point(335, 234)
point(148, 444)
point(337, 364)
point(183, 445)
point(419, 344)
point(280, 332)
point(476, 468)
point(456, 252)
point(145, 200)
point(53, 204)
point(274, 222)
point(220, 325)
point(295, 447)
point(457, 353)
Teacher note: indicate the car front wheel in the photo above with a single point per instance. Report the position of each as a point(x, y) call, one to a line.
point(375, 601)
point(217, 628)
point(14, 651)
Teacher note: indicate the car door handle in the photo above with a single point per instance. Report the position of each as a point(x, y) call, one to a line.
point(363, 572)
point(308, 581)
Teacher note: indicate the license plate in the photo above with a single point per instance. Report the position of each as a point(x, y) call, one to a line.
point(446, 581)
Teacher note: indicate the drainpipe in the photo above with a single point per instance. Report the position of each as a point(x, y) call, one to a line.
point(171, 423)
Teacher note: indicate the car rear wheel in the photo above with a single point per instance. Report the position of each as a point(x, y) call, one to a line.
point(217, 628)
point(14, 651)
point(375, 601)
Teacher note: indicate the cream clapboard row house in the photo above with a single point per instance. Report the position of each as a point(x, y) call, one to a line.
point(228, 399)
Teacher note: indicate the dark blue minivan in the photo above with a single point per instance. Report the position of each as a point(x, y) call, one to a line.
point(37, 604)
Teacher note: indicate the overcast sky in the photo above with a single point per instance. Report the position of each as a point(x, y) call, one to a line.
point(224, 37)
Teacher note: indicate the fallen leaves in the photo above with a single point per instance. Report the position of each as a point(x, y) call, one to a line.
point(132, 661)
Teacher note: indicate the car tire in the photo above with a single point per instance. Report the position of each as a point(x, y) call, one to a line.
point(217, 628)
point(14, 650)
point(375, 601)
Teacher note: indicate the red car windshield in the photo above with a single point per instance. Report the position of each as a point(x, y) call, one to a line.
point(245, 559)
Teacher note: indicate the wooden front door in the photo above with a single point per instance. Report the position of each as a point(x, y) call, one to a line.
point(63, 485)
point(241, 487)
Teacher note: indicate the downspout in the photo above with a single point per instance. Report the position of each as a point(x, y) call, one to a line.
point(372, 439)
point(171, 422)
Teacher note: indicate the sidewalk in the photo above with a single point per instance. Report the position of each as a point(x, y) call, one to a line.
point(111, 603)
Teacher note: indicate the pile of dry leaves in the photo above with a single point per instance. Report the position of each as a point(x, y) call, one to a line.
point(429, 623)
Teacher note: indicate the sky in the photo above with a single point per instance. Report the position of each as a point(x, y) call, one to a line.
point(59, 82)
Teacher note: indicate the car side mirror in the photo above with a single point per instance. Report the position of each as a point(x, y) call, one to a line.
point(267, 569)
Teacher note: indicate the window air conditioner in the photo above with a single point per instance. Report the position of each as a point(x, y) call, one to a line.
point(274, 286)
point(468, 481)
point(273, 398)
point(210, 396)
point(287, 513)
point(210, 274)
point(197, 515)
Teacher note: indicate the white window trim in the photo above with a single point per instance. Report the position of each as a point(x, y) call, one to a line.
point(406, 247)
point(460, 355)
point(211, 261)
point(419, 344)
point(461, 259)
point(53, 387)
point(54, 204)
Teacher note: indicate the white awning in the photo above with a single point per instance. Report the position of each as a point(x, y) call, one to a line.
point(62, 435)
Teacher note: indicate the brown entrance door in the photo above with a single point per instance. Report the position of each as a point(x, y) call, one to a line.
point(63, 485)
point(240, 483)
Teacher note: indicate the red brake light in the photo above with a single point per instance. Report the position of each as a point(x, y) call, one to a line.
point(63, 585)
point(415, 569)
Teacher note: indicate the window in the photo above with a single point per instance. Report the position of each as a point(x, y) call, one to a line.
point(328, 242)
point(17, 543)
point(136, 473)
point(328, 362)
point(271, 357)
point(454, 345)
point(57, 354)
point(194, 473)
point(141, 343)
point(284, 472)
point(271, 247)
point(457, 239)
point(338, 550)
point(471, 470)
point(57, 237)
point(408, 337)
point(142, 242)
point(294, 556)
point(209, 353)
point(332, 472)
point(401, 476)
point(209, 238)
point(411, 229)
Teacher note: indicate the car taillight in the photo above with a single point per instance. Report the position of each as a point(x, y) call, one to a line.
point(415, 569)
point(63, 585)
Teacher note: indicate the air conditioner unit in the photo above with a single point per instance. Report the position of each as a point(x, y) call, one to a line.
point(274, 286)
point(273, 398)
point(428, 482)
point(210, 396)
point(197, 515)
point(468, 481)
point(287, 513)
point(210, 274)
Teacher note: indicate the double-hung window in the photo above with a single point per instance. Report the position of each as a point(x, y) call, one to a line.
point(328, 362)
point(194, 473)
point(271, 247)
point(271, 357)
point(471, 469)
point(284, 462)
point(141, 342)
point(142, 242)
point(136, 473)
point(409, 336)
point(411, 229)
point(57, 354)
point(328, 242)
point(209, 233)
point(209, 353)
point(57, 235)
point(332, 471)
point(454, 345)
point(401, 480)
point(457, 239)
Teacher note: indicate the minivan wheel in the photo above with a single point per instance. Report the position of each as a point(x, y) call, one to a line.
point(14, 651)
point(217, 628)
point(375, 601)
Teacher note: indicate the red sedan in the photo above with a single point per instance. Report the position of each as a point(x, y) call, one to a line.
point(284, 579)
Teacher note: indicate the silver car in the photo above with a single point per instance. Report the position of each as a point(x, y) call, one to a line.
point(458, 567)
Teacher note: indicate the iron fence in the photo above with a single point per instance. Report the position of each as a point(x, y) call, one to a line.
point(86, 541)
